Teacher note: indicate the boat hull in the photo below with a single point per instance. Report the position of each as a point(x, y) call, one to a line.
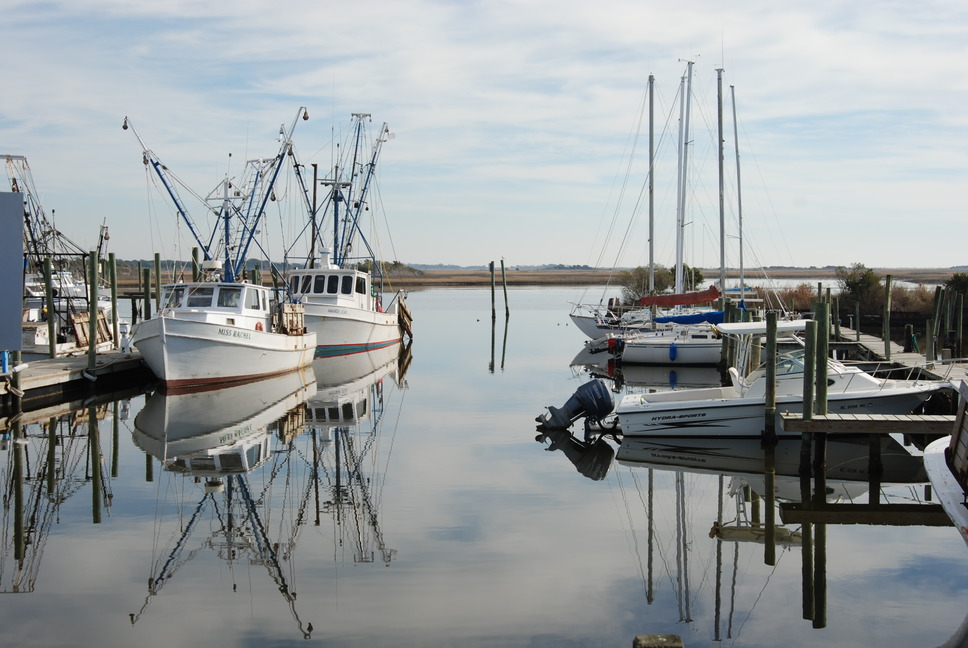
point(190, 354)
point(343, 331)
point(664, 351)
point(723, 416)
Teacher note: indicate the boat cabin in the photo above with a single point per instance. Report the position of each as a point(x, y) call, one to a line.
point(233, 304)
point(332, 286)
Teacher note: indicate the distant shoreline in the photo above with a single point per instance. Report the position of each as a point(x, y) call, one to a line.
point(430, 278)
point(588, 277)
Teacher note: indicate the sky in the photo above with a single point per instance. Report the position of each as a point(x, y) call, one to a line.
point(520, 129)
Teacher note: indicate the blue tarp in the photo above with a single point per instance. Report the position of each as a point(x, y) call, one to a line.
point(713, 317)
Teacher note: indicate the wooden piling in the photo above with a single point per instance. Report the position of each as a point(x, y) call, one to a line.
point(769, 431)
point(196, 265)
point(51, 308)
point(822, 316)
point(157, 281)
point(493, 307)
point(504, 283)
point(113, 276)
point(146, 296)
point(886, 318)
point(769, 548)
point(92, 313)
point(809, 367)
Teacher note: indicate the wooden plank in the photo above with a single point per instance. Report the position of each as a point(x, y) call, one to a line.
point(869, 514)
point(935, 424)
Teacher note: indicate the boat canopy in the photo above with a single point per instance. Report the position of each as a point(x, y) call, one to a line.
point(682, 299)
point(712, 317)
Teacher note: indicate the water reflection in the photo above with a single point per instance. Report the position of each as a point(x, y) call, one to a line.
point(636, 376)
point(249, 467)
point(778, 499)
point(49, 456)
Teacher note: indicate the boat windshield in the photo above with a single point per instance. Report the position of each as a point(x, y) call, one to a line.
point(173, 295)
point(790, 363)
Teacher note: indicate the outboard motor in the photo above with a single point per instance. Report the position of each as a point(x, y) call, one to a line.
point(593, 400)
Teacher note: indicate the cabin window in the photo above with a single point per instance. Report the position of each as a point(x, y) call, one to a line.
point(294, 284)
point(229, 297)
point(346, 286)
point(320, 286)
point(361, 285)
point(333, 284)
point(332, 413)
point(252, 298)
point(201, 297)
point(174, 297)
point(306, 284)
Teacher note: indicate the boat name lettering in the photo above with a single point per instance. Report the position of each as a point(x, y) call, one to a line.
point(245, 335)
point(679, 417)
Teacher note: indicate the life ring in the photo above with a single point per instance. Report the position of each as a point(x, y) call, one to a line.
point(258, 326)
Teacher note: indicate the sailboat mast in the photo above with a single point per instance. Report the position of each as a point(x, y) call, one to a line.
point(739, 200)
point(651, 186)
point(685, 106)
point(722, 204)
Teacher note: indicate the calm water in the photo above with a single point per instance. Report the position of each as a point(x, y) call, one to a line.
point(425, 513)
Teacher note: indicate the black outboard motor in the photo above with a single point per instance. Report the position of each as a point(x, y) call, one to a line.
point(592, 400)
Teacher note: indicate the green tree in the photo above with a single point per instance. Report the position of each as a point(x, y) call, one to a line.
point(958, 283)
point(858, 283)
point(635, 282)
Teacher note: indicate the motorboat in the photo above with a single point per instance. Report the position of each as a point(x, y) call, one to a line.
point(738, 409)
point(946, 461)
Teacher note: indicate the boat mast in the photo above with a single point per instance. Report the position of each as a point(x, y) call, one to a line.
point(739, 201)
point(684, 111)
point(651, 187)
point(722, 207)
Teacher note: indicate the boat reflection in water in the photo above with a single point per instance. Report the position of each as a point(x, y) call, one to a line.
point(346, 416)
point(762, 481)
point(639, 376)
point(253, 463)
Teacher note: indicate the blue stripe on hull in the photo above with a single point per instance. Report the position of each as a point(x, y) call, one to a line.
point(334, 351)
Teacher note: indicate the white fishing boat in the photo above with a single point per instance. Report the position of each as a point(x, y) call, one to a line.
point(946, 461)
point(222, 332)
point(341, 281)
point(738, 409)
point(220, 328)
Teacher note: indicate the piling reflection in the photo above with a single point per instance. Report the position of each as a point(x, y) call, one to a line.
point(48, 457)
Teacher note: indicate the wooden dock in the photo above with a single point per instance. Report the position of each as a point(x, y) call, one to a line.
point(49, 381)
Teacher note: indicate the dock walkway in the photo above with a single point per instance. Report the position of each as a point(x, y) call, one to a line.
point(50, 380)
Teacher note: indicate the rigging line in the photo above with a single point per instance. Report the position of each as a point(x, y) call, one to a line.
point(766, 583)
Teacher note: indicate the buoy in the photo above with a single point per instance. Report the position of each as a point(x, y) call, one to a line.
point(258, 326)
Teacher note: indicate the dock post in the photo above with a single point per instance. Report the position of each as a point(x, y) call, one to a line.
point(92, 313)
point(857, 320)
point(875, 468)
point(157, 281)
point(823, 350)
point(835, 315)
point(959, 317)
point(493, 309)
point(196, 266)
point(504, 282)
point(929, 355)
point(113, 274)
point(769, 433)
point(146, 287)
point(51, 308)
point(886, 319)
point(806, 567)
